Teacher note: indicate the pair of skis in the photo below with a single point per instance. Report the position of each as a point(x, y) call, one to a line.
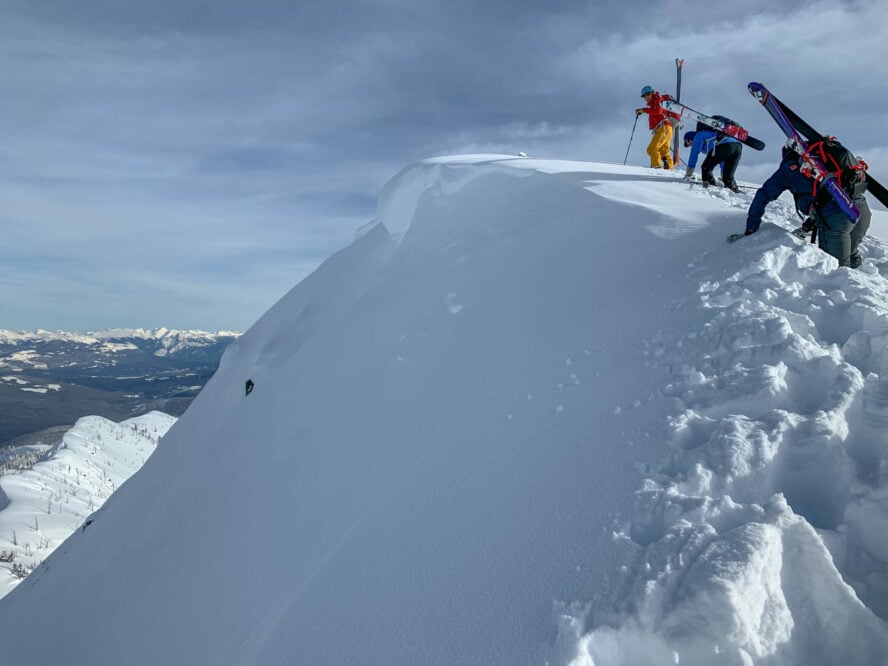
point(818, 170)
point(796, 129)
point(730, 129)
point(800, 133)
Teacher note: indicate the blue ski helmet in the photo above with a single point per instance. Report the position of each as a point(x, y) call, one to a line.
point(646, 90)
point(689, 137)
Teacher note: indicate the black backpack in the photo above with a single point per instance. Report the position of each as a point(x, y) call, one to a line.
point(849, 169)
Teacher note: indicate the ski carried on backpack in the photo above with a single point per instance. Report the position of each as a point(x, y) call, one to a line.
point(718, 123)
point(873, 186)
point(876, 188)
point(813, 163)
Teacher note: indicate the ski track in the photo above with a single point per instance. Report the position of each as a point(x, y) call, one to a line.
point(765, 472)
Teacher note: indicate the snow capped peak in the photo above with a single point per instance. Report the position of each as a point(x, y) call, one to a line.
point(543, 413)
point(160, 341)
point(92, 337)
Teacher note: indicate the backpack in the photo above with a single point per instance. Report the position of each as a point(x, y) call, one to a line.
point(850, 170)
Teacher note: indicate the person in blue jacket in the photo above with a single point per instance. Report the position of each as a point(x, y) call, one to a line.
point(839, 236)
point(719, 149)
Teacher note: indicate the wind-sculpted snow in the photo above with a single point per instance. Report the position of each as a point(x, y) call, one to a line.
point(539, 413)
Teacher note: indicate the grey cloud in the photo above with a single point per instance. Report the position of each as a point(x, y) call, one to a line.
point(167, 138)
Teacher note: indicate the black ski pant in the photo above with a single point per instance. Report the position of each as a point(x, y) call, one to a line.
point(726, 154)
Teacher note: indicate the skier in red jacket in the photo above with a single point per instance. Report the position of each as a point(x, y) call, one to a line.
point(660, 121)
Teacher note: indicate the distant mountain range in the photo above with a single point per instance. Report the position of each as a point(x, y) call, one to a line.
point(52, 378)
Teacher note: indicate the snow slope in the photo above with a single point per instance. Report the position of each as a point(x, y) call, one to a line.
point(41, 506)
point(543, 413)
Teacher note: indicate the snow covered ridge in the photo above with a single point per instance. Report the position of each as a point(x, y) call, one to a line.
point(114, 339)
point(541, 413)
point(42, 503)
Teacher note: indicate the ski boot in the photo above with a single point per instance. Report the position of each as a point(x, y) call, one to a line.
point(708, 179)
point(733, 186)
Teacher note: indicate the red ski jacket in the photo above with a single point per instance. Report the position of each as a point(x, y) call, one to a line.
point(656, 114)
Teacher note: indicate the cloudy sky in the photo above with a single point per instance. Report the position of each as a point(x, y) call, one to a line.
point(184, 163)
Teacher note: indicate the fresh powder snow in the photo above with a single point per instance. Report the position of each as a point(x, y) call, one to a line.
point(538, 413)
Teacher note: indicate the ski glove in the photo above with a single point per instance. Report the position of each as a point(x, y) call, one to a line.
point(689, 174)
point(638, 112)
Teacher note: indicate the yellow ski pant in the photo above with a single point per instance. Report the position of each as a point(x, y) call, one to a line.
point(660, 147)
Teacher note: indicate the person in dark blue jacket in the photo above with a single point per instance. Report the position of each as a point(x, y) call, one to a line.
point(839, 236)
point(719, 149)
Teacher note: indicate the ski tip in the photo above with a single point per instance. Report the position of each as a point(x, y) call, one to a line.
point(755, 144)
point(758, 91)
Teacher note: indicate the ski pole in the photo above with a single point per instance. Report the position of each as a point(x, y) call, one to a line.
point(679, 65)
point(630, 138)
